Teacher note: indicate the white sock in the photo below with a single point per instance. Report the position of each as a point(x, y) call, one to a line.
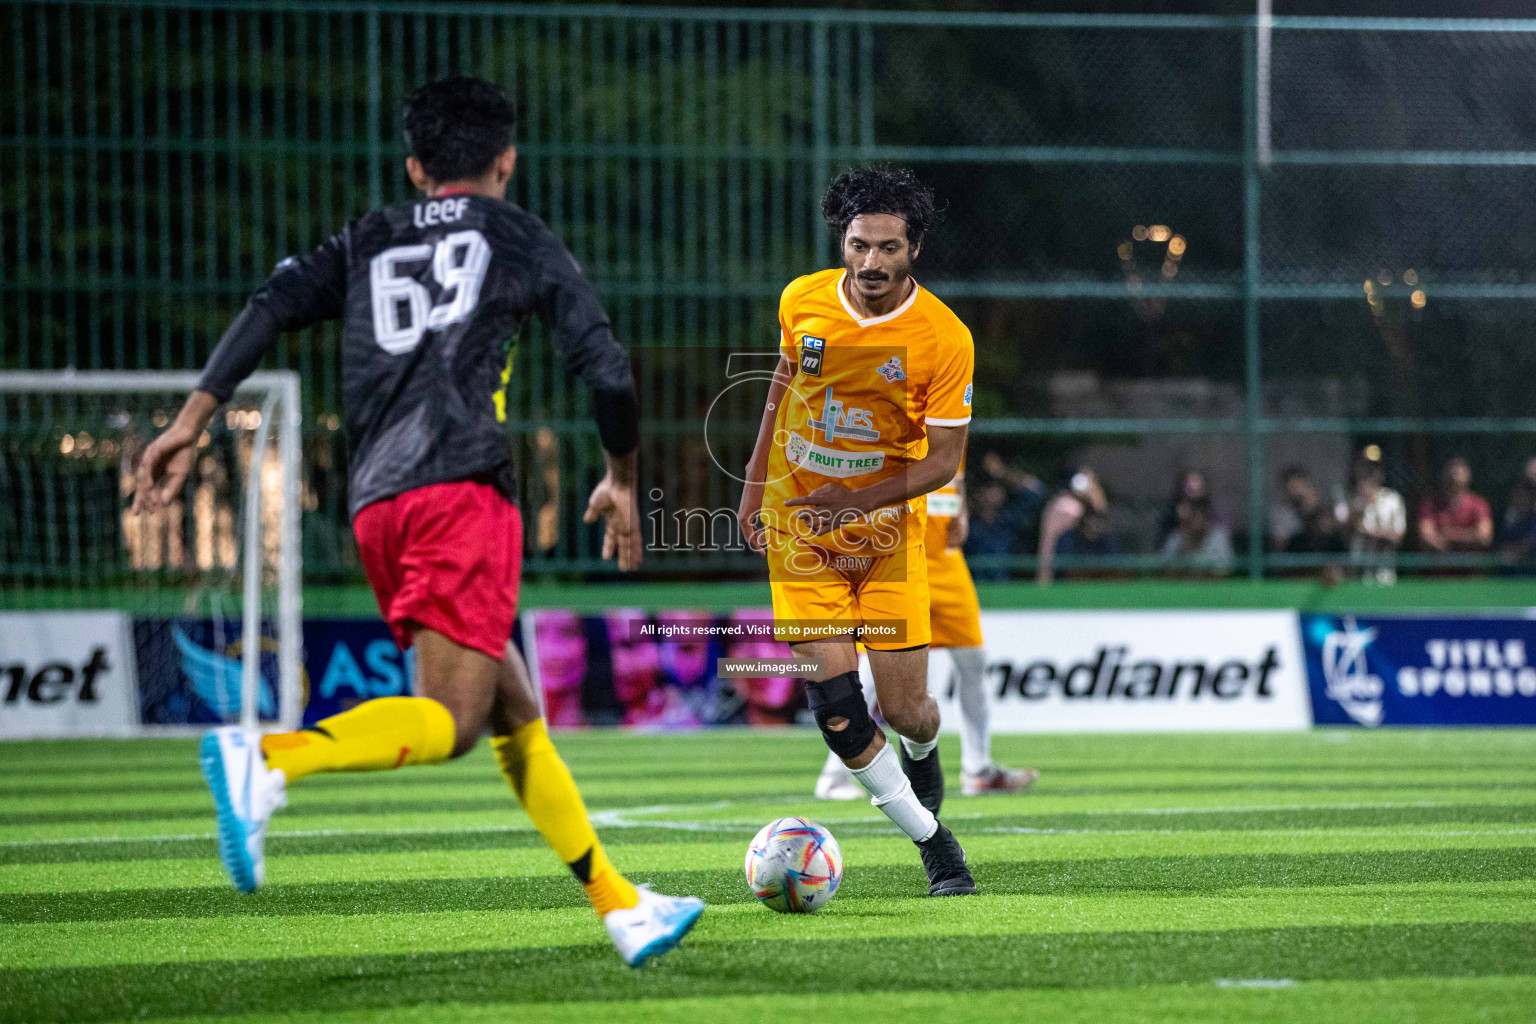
point(975, 738)
point(890, 791)
point(917, 751)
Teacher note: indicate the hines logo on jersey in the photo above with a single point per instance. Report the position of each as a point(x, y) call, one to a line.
point(840, 421)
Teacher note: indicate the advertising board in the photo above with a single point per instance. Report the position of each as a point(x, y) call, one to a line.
point(1138, 671)
point(66, 673)
point(1410, 670)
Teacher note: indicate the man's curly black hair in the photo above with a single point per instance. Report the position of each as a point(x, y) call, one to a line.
point(458, 127)
point(879, 190)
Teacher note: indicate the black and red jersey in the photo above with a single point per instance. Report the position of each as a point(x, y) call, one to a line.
point(430, 293)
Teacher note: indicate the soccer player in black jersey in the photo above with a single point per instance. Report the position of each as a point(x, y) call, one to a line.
point(430, 293)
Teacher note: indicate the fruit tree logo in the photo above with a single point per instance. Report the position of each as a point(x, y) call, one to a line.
point(1350, 683)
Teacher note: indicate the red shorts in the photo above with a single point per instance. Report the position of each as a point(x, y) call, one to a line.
point(446, 557)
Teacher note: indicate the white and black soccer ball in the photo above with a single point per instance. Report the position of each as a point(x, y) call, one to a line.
point(794, 866)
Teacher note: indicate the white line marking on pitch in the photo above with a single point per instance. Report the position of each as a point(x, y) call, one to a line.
point(617, 818)
point(1254, 982)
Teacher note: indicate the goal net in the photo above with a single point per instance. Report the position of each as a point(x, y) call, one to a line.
point(207, 589)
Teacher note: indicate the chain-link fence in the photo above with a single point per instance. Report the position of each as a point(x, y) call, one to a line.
point(1181, 243)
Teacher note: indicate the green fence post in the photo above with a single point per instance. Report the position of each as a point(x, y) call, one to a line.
point(1254, 390)
point(375, 115)
point(821, 125)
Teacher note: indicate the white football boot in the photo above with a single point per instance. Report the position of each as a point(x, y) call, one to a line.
point(654, 925)
point(245, 793)
point(836, 782)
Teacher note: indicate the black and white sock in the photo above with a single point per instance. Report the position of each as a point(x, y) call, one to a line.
point(917, 751)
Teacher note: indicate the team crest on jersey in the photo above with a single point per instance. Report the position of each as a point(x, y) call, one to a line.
point(812, 352)
point(892, 370)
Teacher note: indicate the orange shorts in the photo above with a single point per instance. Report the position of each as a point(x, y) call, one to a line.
point(953, 608)
point(883, 596)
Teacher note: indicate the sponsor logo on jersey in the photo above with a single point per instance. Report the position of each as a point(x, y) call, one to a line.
point(830, 461)
point(967, 395)
point(892, 370)
point(837, 421)
point(812, 352)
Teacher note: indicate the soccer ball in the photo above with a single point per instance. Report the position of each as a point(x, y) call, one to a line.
point(794, 866)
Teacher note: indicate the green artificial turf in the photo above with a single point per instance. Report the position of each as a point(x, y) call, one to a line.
point(1333, 875)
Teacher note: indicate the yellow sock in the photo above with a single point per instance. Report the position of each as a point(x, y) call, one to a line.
point(375, 736)
point(547, 792)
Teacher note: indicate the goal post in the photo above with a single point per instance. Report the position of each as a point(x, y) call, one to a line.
point(228, 551)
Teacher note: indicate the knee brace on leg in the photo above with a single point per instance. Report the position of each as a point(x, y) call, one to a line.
point(842, 697)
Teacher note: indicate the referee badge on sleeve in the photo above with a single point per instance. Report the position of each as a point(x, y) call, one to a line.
point(812, 350)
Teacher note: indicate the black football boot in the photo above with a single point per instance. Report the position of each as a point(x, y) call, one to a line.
point(944, 861)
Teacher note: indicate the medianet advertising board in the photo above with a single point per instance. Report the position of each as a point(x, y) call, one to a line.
point(1134, 671)
point(66, 674)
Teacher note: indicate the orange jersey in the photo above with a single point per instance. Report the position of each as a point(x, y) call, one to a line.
point(864, 393)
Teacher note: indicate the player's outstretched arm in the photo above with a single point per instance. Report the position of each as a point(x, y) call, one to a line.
point(299, 293)
point(615, 502)
point(832, 505)
point(757, 466)
point(165, 463)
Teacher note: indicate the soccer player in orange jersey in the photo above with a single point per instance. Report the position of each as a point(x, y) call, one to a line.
point(867, 413)
point(955, 621)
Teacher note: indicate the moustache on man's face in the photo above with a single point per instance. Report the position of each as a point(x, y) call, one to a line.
point(873, 275)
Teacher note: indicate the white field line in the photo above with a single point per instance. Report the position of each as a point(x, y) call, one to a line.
point(725, 826)
point(625, 818)
point(597, 818)
point(1254, 982)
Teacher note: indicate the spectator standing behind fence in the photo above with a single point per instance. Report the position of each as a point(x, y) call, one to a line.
point(1301, 524)
point(1377, 521)
point(1198, 543)
point(1517, 532)
point(999, 511)
point(1188, 485)
point(1081, 497)
point(1091, 536)
point(1456, 519)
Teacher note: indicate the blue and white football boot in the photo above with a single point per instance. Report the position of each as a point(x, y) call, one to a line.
point(245, 793)
point(654, 925)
